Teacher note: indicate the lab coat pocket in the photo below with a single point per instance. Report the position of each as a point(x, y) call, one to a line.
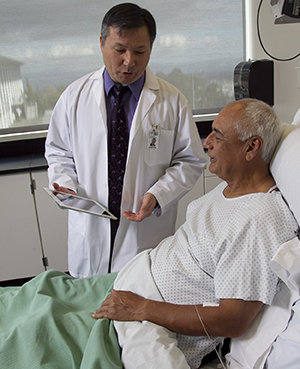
point(162, 152)
point(77, 223)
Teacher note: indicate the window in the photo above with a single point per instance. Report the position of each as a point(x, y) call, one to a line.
point(45, 45)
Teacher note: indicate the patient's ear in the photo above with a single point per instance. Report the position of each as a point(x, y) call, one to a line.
point(253, 147)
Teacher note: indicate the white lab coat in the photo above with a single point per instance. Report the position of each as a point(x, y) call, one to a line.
point(76, 151)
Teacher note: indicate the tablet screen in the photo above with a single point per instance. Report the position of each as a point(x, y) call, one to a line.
point(83, 204)
point(78, 203)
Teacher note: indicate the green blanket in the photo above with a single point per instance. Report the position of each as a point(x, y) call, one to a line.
point(47, 323)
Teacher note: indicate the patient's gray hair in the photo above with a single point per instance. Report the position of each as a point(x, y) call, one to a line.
point(259, 119)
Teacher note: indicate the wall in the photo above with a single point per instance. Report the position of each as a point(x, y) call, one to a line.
point(282, 42)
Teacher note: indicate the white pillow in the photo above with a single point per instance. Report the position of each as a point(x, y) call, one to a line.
point(285, 351)
point(285, 167)
point(297, 118)
point(251, 350)
point(286, 264)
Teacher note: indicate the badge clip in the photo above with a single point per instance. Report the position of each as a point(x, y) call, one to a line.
point(153, 137)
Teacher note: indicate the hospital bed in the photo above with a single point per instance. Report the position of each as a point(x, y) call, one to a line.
point(250, 351)
point(61, 333)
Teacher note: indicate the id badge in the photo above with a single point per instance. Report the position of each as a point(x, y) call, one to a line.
point(153, 137)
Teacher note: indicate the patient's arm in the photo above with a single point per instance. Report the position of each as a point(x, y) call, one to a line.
point(230, 319)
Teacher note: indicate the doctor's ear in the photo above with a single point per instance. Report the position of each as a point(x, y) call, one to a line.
point(101, 43)
point(253, 147)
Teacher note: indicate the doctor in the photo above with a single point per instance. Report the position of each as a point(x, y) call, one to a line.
point(156, 175)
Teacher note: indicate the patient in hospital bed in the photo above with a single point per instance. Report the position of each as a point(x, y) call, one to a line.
point(171, 306)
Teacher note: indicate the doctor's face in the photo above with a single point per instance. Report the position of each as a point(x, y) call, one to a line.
point(126, 57)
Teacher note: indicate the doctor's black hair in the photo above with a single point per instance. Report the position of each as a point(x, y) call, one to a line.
point(128, 16)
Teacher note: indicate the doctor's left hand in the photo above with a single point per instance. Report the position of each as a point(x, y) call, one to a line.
point(59, 188)
point(148, 204)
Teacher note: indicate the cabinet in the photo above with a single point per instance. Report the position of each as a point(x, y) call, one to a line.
point(205, 183)
point(21, 254)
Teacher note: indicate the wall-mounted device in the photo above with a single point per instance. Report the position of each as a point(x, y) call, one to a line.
point(285, 11)
point(255, 79)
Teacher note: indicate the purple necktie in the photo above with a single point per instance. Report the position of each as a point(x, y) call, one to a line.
point(117, 150)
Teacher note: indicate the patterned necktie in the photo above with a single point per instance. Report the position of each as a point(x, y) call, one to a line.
point(117, 150)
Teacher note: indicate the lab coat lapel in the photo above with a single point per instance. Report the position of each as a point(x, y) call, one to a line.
point(147, 99)
point(98, 91)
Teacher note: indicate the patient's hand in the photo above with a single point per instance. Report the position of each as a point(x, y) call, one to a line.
point(148, 204)
point(121, 305)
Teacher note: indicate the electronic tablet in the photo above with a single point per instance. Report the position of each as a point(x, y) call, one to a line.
point(78, 203)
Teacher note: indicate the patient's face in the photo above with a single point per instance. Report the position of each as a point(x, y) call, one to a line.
point(226, 152)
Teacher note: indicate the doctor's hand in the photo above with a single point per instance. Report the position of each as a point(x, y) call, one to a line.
point(148, 204)
point(59, 188)
point(122, 306)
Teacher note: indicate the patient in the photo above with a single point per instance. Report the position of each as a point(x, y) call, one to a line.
point(219, 259)
point(212, 277)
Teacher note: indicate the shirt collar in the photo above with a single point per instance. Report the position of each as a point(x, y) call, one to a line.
point(135, 87)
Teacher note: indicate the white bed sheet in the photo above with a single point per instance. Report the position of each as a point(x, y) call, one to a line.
point(285, 352)
point(252, 349)
point(145, 345)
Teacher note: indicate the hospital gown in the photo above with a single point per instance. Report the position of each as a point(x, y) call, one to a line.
point(222, 251)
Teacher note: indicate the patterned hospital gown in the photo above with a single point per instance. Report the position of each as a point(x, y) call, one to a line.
point(222, 251)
